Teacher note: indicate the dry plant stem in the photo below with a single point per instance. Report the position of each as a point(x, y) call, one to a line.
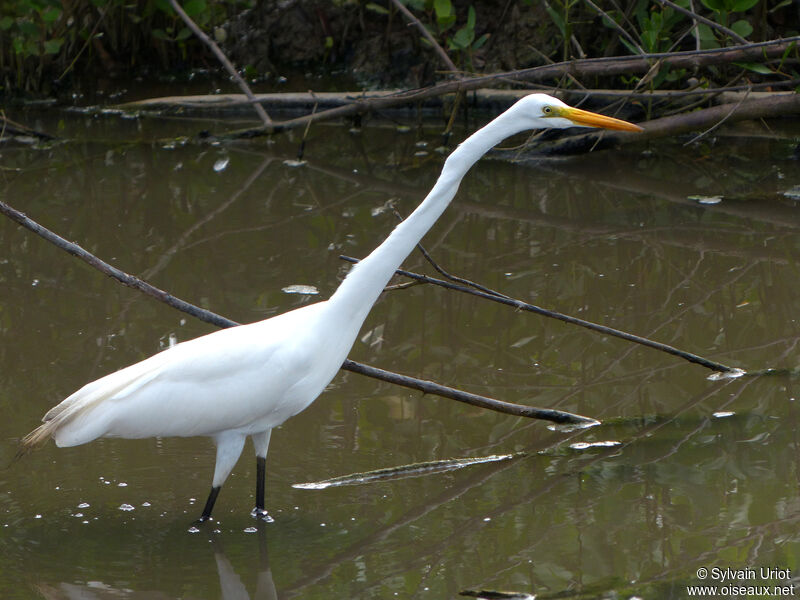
point(590, 67)
point(426, 34)
point(89, 39)
point(428, 387)
point(520, 305)
point(262, 114)
point(698, 19)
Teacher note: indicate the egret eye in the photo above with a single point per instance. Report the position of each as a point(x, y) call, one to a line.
point(547, 110)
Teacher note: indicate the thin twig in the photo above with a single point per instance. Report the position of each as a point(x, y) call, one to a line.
point(456, 278)
point(422, 385)
point(426, 34)
point(615, 25)
point(520, 305)
point(262, 114)
point(89, 39)
point(444, 273)
point(720, 122)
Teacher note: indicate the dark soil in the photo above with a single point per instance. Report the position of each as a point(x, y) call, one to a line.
point(382, 50)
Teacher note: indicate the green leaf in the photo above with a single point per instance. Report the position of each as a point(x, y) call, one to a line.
point(715, 5)
point(6, 23)
point(51, 14)
point(53, 46)
point(705, 33)
point(755, 68)
point(443, 9)
point(742, 5)
point(742, 27)
point(194, 7)
point(471, 18)
point(462, 39)
point(28, 28)
point(164, 6)
point(376, 8)
point(480, 41)
point(780, 5)
point(183, 34)
point(160, 34)
point(557, 19)
point(447, 23)
point(631, 48)
point(650, 41)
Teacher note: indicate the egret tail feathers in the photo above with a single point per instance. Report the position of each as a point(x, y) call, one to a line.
point(85, 399)
point(34, 439)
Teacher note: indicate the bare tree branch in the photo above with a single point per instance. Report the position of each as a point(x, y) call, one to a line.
point(520, 305)
point(223, 59)
point(426, 34)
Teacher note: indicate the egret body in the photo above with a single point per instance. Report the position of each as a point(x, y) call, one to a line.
point(247, 380)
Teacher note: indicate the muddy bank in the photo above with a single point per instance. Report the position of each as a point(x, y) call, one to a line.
point(382, 49)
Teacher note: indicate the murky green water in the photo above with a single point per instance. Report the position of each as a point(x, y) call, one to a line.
point(705, 475)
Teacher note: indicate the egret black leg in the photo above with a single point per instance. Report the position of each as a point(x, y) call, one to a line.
point(261, 444)
point(212, 498)
point(261, 476)
point(260, 511)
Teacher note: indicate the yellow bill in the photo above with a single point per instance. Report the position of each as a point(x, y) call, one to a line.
point(590, 119)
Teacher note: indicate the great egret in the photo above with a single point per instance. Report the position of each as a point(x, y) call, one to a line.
point(246, 380)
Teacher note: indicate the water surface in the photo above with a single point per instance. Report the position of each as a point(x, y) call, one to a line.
point(705, 473)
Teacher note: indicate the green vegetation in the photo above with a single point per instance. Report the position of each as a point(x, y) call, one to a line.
point(44, 43)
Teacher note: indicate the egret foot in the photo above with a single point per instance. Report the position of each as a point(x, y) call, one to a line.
point(202, 519)
point(261, 514)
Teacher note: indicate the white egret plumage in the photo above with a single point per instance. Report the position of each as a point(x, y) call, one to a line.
point(247, 380)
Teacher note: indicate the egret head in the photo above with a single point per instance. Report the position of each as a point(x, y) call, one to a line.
point(549, 112)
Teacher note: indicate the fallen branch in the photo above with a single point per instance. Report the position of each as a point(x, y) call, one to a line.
point(428, 387)
point(520, 305)
point(14, 129)
point(479, 98)
point(590, 67)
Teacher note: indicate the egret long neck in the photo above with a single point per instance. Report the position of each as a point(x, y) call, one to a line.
point(362, 286)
